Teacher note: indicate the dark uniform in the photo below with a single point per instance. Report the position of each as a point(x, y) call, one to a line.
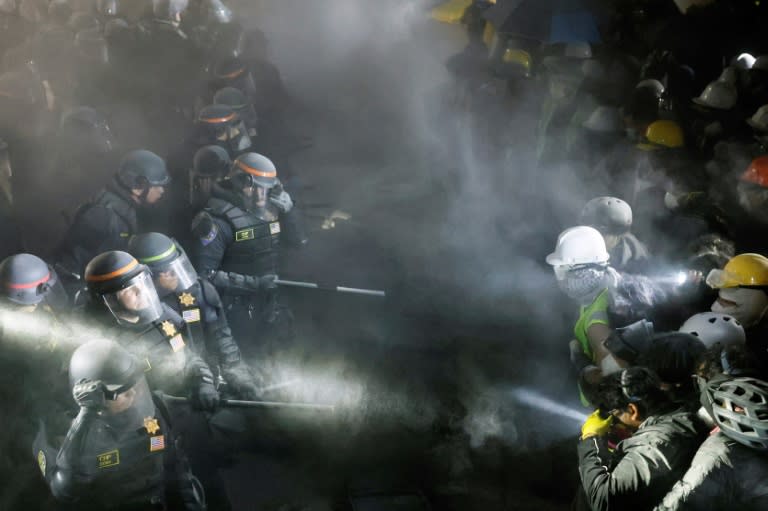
point(148, 329)
point(112, 217)
point(198, 304)
point(239, 237)
point(127, 459)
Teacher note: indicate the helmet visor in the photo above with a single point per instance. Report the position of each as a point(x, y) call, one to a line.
point(129, 407)
point(718, 279)
point(136, 303)
point(176, 276)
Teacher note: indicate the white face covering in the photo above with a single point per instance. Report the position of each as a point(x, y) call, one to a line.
point(751, 305)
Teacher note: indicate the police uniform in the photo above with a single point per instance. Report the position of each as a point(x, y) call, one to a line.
point(103, 468)
point(105, 223)
point(232, 239)
point(171, 361)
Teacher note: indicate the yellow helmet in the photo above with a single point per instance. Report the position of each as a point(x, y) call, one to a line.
point(661, 134)
point(743, 270)
point(451, 11)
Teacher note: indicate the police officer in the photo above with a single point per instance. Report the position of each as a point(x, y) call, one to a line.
point(239, 233)
point(120, 452)
point(149, 329)
point(198, 303)
point(220, 125)
point(112, 217)
point(31, 370)
point(239, 102)
point(209, 164)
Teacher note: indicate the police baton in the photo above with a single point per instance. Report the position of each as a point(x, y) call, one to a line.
point(238, 403)
point(338, 289)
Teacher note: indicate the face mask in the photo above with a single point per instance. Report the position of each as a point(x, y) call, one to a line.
point(583, 285)
point(751, 305)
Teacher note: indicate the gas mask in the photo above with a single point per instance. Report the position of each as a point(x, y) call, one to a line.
point(750, 304)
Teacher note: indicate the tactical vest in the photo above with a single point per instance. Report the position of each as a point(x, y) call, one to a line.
point(122, 207)
point(163, 351)
point(255, 240)
point(190, 305)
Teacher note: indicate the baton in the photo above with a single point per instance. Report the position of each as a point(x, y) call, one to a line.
point(238, 403)
point(338, 289)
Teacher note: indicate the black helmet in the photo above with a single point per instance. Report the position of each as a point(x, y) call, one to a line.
point(85, 126)
point(141, 169)
point(239, 102)
point(232, 72)
point(740, 409)
point(111, 275)
point(211, 161)
point(251, 169)
point(220, 125)
point(166, 259)
point(105, 361)
point(26, 279)
point(673, 355)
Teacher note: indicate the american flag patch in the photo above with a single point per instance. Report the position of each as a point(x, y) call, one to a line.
point(157, 443)
point(191, 315)
point(177, 342)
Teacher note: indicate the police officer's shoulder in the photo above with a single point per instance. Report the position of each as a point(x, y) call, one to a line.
point(205, 227)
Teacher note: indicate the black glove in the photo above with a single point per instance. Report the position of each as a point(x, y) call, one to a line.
point(267, 281)
point(89, 393)
point(241, 380)
point(205, 397)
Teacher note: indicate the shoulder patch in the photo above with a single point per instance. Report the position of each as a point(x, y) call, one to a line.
point(204, 228)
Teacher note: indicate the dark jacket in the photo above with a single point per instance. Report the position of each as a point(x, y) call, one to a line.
point(724, 475)
point(642, 468)
point(105, 223)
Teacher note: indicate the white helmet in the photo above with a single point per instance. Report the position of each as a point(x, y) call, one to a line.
point(656, 86)
point(745, 61)
point(607, 213)
point(605, 119)
point(759, 121)
point(729, 76)
point(711, 328)
point(579, 245)
point(718, 95)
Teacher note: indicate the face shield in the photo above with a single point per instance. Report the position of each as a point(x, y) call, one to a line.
point(249, 118)
point(128, 406)
point(136, 303)
point(175, 276)
point(231, 136)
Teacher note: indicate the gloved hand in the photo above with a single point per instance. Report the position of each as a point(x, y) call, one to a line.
point(595, 425)
point(267, 281)
point(89, 393)
point(280, 198)
point(241, 380)
point(205, 397)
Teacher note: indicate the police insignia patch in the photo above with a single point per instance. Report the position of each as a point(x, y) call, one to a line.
point(108, 459)
point(168, 329)
point(41, 461)
point(207, 238)
point(186, 299)
point(157, 443)
point(274, 228)
point(244, 235)
point(151, 425)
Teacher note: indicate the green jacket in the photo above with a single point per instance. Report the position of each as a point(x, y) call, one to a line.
point(642, 468)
